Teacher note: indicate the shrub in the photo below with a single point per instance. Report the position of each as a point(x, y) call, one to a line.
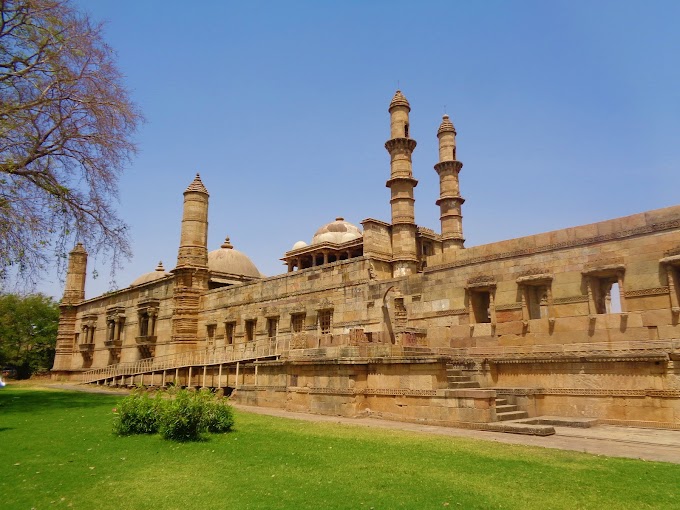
point(218, 416)
point(183, 416)
point(137, 414)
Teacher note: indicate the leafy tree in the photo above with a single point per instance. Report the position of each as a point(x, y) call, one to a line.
point(66, 127)
point(28, 332)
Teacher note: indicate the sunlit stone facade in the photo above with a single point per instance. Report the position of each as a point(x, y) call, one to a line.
point(398, 321)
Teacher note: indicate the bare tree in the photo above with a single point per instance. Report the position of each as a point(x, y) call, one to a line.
point(66, 127)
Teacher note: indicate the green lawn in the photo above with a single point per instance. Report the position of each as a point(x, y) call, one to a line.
point(57, 451)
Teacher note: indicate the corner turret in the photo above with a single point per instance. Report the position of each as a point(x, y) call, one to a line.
point(74, 294)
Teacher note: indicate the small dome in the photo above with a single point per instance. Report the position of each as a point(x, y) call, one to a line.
point(299, 244)
point(399, 100)
point(230, 261)
point(446, 126)
point(338, 232)
point(152, 276)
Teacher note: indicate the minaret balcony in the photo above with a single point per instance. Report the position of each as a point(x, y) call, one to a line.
point(454, 198)
point(113, 344)
point(406, 145)
point(86, 348)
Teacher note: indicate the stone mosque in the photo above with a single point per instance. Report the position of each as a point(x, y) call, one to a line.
point(576, 326)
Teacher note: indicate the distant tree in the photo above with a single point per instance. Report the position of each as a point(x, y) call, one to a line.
point(28, 332)
point(66, 127)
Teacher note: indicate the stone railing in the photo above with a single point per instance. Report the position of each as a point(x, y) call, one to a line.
point(657, 349)
point(227, 354)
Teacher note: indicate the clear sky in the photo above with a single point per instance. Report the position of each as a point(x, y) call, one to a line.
point(567, 112)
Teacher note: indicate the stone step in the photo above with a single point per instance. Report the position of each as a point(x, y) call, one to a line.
point(506, 408)
point(501, 401)
point(512, 415)
point(454, 371)
point(467, 384)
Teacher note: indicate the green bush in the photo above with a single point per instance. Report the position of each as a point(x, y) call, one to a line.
point(183, 416)
point(218, 417)
point(137, 414)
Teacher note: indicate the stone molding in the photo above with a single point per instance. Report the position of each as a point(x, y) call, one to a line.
point(509, 306)
point(570, 299)
point(590, 392)
point(400, 392)
point(655, 291)
point(440, 313)
point(336, 391)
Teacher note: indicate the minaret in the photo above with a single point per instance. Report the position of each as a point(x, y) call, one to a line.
point(401, 184)
point(74, 294)
point(191, 273)
point(450, 200)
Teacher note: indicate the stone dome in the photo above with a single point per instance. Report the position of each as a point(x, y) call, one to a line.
point(446, 126)
point(152, 276)
point(399, 100)
point(338, 232)
point(230, 261)
point(299, 244)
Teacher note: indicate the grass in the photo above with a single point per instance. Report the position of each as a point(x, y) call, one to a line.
point(57, 451)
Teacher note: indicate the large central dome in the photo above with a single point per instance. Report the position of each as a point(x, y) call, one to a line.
point(226, 260)
point(338, 232)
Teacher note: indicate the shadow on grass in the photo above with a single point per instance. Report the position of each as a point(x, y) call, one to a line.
point(33, 401)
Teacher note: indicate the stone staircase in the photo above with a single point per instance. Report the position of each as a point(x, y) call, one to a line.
point(457, 380)
point(504, 410)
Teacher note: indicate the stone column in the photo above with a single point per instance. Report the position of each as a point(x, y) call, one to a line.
point(622, 294)
point(675, 306)
point(116, 331)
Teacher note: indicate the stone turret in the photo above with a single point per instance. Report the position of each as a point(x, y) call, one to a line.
point(74, 294)
point(191, 273)
point(193, 242)
point(449, 201)
point(401, 184)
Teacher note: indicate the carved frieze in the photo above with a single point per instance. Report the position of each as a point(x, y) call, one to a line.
point(481, 280)
point(647, 292)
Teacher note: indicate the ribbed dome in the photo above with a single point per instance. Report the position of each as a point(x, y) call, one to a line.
point(230, 261)
point(446, 126)
point(399, 100)
point(196, 186)
point(338, 232)
point(152, 276)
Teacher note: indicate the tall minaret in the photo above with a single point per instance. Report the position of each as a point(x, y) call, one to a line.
point(191, 273)
point(450, 200)
point(74, 294)
point(401, 184)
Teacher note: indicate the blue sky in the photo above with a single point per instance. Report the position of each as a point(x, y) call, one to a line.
point(567, 113)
